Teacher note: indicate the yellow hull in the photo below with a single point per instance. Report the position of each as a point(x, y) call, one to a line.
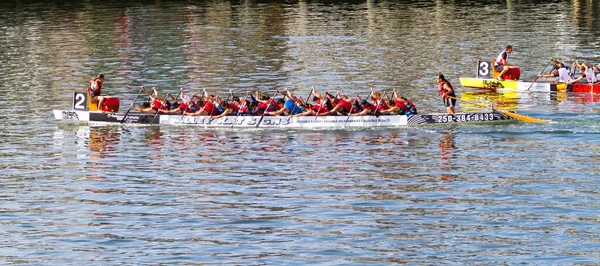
point(512, 85)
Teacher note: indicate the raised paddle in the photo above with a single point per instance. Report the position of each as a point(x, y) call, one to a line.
point(239, 110)
point(321, 103)
point(539, 75)
point(187, 105)
point(356, 98)
point(158, 111)
point(126, 113)
point(269, 105)
point(212, 112)
point(295, 103)
point(377, 107)
point(523, 118)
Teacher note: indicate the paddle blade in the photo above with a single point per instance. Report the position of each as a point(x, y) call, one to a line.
point(523, 118)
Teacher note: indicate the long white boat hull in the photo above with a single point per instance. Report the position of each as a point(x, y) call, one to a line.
point(283, 121)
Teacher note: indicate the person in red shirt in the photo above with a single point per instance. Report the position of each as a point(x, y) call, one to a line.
point(206, 108)
point(240, 106)
point(319, 107)
point(158, 102)
point(447, 92)
point(366, 108)
point(186, 105)
point(265, 104)
point(378, 100)
point(95, 89)
point(400, 105)
point(343, 105)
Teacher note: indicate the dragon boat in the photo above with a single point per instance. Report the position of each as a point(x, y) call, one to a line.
point(84, 110)
point(486, 79)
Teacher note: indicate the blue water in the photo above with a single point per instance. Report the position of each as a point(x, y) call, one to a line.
point(75, 194)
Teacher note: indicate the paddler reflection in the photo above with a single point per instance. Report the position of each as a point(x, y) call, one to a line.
point(102, 144)
point(446, 146)
point(154, 138)
point(102, 141)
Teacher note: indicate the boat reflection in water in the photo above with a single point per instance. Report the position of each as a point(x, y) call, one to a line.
point(505, 100)
point(446, 146)
point(103, 142)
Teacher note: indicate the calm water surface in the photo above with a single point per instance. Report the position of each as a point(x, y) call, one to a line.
point(74, 194)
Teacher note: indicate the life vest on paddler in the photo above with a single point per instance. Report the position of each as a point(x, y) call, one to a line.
point(320, 107)
point(211, 109)
point(382, 105)
point(241, 108)
point(407, 108)
point(192, 107)
point(95, 87)
point(156, 104)
point(368, 106)
point(442, 90)
point(272, 106)
point(412, 108)
point(346, 106)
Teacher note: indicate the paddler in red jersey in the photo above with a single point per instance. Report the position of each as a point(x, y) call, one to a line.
point(208, 105)
point(158, 102)
point(446, 90)
point(400, 105)
point(343, 105)
point(95, 88)
point(265, 104)
point(378, 100)
point(240, 106)
point(366, 108)
point(501, 64)
point(320, 106)
point(206, 108)
point(235, 107)
point(186, 105)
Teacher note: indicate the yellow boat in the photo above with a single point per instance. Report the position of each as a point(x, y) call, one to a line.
point(486, 79)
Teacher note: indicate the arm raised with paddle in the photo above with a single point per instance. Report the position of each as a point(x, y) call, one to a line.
point(270, 103)
point(135, 99)
point(540, 75)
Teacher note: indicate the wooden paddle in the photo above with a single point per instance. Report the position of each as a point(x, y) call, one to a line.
point(539, 75)
point(523, 118)
point(126, 113)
